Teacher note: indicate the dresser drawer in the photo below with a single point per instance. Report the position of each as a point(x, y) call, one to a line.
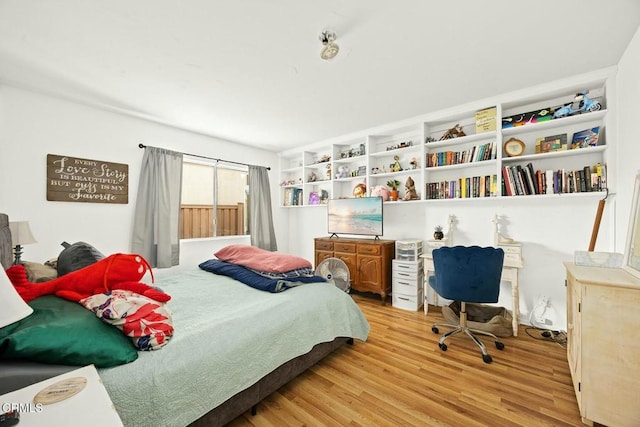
point(408, 254)
point(407, 302)
point(322, 245)
point(345, 247)
point(511, 249)
point(511, 259)
point(401, 265)
point(369, 249)
point(406, 286)
point(409, 244)
point(405, 275)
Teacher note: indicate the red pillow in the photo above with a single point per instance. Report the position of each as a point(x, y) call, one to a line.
point(261, 259)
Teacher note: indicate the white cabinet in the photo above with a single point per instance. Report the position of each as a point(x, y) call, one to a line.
point(407, 284)
point(474, 165)
point(603, 354)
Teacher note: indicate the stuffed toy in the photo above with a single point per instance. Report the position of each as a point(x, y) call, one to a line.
point(118, 271)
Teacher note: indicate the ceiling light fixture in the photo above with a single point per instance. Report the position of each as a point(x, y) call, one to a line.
point(330, 49)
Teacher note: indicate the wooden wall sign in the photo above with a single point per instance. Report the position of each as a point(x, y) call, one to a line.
point(70, 179)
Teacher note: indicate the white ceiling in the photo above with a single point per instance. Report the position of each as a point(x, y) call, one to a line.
point(249, 70)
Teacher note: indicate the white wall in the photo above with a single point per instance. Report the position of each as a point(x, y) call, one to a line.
point(628, 94)
point(34, 125)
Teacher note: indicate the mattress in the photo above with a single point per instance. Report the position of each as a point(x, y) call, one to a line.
point(227, 336)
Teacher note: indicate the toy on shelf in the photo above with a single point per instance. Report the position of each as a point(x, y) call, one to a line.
point(393, 189)
point(584, 105)
point(343, 172)
point(395, 166)
point(410, 190)
point(380, 191)
point(360, 190)
point(454, 132)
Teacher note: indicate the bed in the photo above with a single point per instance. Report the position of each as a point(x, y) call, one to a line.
point(233, 345)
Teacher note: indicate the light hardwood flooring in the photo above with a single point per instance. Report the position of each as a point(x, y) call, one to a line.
point(400, 377)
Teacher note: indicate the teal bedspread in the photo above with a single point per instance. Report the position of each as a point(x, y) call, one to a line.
point(227, 336)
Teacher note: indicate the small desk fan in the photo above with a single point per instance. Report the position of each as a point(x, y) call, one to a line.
point(335, 271)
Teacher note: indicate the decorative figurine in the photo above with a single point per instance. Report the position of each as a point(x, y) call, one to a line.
point(584, 104)
point(329, 171)
point(438, 234)
point(414, 163)
point(314, 198)
point(393, 189)
point(324, 197)
point(410, 190)
point(454, 132)
point(360, 190)
point(312, 177)
point(343, 172)
point(381, 191)
point(395, 167)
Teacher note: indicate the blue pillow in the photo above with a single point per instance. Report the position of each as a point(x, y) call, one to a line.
point(255, 280)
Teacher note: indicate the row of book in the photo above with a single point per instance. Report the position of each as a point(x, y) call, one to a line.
point(476, 153)
point(292, 197)
point(462, 188)
point(518, 180)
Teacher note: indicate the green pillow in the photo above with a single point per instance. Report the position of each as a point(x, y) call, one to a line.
point(65, 333)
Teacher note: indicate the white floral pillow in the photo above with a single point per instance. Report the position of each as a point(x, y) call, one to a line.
point(147, 322)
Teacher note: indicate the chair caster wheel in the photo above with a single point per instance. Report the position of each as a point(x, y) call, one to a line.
point(499, 345)
point(486, 358)
point(434, 330)
point(443, 347)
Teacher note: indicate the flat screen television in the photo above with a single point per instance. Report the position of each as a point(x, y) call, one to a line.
point(359, 215)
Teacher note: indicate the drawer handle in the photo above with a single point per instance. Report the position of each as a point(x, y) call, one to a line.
point(403, 274)
point(403, 298)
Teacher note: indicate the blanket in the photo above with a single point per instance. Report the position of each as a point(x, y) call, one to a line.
point(255, 280)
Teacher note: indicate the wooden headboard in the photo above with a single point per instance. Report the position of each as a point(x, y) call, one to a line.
point(5, 242)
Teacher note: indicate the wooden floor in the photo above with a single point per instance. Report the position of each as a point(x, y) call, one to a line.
point(399, 376)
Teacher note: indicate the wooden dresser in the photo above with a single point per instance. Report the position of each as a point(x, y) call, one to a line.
point(369, 261)
point(603, 350)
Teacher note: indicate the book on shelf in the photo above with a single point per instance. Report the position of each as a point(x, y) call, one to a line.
point(476, 153)
point(585, 138)
point(297, 197)
point(486, 120)
point(467, 187)
point(288, 197)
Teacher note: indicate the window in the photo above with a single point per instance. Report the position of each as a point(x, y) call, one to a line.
point(214, 200)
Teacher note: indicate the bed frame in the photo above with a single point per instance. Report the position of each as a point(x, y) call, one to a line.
point(19, 374)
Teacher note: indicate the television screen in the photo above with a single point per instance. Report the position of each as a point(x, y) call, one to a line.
point(358, 215)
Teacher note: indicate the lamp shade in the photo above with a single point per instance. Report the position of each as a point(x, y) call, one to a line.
point(21, 233)
point(12, 306)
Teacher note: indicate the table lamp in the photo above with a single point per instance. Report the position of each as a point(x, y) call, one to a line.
point(20, 236)
point(12, 306)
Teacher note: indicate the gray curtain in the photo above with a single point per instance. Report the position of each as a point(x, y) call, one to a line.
point(156, 223)
point(260, 217)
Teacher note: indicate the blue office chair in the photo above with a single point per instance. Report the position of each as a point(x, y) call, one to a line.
point(467, 274)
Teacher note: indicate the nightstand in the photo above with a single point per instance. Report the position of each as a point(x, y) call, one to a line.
point(91, 406)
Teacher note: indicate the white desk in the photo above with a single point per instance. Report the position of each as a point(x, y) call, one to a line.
point(92, 406)
point(512, 263)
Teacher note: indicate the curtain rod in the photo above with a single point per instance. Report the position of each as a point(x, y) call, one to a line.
point(209, 158)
